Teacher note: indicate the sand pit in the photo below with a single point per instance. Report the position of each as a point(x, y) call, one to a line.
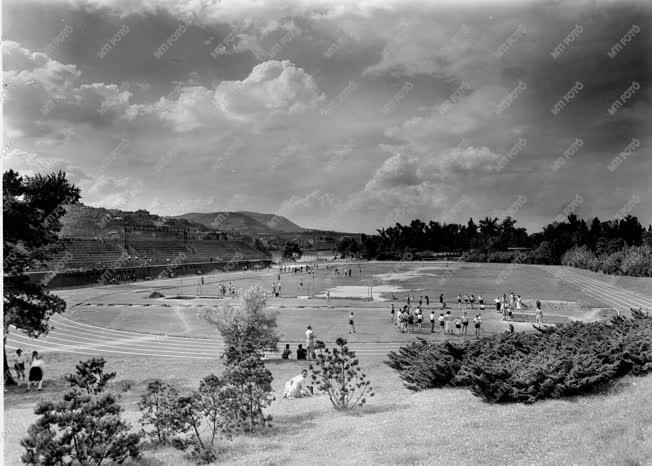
point(553, 306)
point(362, 292)
point(409, 274)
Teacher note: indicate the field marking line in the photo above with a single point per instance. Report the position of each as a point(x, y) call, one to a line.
point(154, 341)
point(55, 347)
point(619, 293)
point(604, 284)
point(597, 293)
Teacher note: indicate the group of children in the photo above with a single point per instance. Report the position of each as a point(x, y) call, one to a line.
point(36, 369)
point(224, 289)
point(407, 320)
point(470, 299)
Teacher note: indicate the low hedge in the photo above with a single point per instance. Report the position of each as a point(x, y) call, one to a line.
point(568, 359)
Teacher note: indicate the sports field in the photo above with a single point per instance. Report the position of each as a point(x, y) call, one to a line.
point(167, 337)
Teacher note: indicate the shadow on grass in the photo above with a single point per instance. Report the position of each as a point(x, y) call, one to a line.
point(52, 388)
point(291, 424)
point(375, 409)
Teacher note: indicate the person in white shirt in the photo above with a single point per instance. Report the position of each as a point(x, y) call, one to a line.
point(36, 371)
point(432, 321)
point(297, 387)
point(442, 323)
point(310, 342)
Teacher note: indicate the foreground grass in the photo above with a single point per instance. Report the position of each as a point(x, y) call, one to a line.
point(447, 426)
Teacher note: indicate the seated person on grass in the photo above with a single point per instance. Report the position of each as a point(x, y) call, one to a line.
point(301, 353)
point(297, 386)
point(286, 352)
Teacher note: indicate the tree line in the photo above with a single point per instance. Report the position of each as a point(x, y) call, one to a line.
point(597, 244)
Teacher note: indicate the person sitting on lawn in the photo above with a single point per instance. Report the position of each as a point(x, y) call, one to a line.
point(301, 353)
point(296, 387)
point(286, 352)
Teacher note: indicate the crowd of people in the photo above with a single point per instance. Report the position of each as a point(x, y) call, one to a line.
point(409, 317)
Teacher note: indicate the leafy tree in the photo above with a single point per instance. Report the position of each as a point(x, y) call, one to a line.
point(250, 385)
point(261, 245)
point(157, 406)
point(84, 428)
point(217, 401)
point(292, 250)
point(188, 415)
point(245, 326)
point(348, 246)
point(32, 211)
point(337, 372)
point(90, 376)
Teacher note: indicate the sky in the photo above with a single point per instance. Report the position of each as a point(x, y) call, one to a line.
point(336, 114)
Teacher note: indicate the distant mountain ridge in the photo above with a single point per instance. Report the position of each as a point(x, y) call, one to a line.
point(244, 222)
point(85, 221)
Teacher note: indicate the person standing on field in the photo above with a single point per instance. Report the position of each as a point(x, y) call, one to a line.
point(539, 313)
point(36, 371)
point(19, 366)
point(432, 321)
point(476, 322)
point(351, 324)
point(310, 342)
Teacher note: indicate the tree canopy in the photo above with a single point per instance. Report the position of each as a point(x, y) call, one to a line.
point(32, 210)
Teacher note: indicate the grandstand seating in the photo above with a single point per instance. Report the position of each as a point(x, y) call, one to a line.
point(86, 253)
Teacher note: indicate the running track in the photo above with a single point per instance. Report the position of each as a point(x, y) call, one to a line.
point(79, 338)
point(619, 298)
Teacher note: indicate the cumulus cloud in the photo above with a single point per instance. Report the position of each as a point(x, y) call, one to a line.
point(396, 171)
point(448, 48)
point(273, 88)
point(448, 119)
point(308, 205)
point(461, 159)
point(42, 90)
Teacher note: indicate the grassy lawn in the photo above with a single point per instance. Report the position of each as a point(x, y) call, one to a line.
point(447, 426)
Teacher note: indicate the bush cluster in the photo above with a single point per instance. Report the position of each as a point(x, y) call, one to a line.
point(337, 372)
point(569, 359)
point(634, 261)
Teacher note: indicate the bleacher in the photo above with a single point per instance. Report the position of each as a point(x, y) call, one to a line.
point(143, 250)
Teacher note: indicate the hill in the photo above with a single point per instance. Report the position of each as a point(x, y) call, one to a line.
point(243, 222)
point(85, 221)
